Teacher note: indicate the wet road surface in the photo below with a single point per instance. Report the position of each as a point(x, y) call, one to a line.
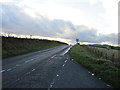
point(50, 68)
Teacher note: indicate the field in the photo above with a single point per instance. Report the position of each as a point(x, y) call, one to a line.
point(105, 53)
point(15, 46)
point(102, 67)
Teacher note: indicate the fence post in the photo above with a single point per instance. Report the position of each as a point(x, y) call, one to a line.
point(113, 57)
point(101, 54)
point(106, 56)
point(98, 52)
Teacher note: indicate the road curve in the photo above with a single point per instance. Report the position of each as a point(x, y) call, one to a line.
point(50, 68)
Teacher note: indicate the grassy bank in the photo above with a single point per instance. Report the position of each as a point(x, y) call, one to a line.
point(106, 53)
point(16, 46)
point(103, 68)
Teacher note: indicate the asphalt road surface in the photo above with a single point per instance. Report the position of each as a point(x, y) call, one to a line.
point(50, 68)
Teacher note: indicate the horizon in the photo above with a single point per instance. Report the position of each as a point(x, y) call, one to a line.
point(13, 35)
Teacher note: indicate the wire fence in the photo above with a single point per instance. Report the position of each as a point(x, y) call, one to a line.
point(106, 53)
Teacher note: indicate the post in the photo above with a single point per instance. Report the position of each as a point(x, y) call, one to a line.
point(106, 56)
point(113, 57)
point(77, 40)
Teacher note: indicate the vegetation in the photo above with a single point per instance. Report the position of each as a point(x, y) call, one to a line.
point(15, 46)
point(103, 68)
point(106, 46)
point(106, 53)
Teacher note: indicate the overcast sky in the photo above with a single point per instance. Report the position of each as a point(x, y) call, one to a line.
point(94, 21)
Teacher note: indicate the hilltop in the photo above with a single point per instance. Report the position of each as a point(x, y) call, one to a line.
point(14, 46)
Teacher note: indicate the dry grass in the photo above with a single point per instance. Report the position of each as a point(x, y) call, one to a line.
point(103, 68)
point(109, 54)
point(15, 46)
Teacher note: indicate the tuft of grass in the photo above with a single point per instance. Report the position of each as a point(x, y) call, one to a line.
point(16, 46)
point(106, 69)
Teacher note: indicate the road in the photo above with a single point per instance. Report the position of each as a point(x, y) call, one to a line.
point(50, 68)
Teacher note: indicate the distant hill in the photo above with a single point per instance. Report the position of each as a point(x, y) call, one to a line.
point(14, 46)
point(106, 46)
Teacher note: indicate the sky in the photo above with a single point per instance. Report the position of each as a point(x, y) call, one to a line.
point(93, 21)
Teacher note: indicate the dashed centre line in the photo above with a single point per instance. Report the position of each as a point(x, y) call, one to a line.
point(28, 73)
point(57, 75)
point(17, 65)
point(72, 59)
point(63, 65)
point(108, 85)
point(99, 78)
point(65, 60)
point(29, 60)
point(11, 68)
point(53, 56)
point(33, 69)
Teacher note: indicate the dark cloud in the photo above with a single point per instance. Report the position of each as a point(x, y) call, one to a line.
point(113, 38)
point(87, 34)
point(15, 20)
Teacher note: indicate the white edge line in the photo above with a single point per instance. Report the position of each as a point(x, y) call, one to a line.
point(2, 71)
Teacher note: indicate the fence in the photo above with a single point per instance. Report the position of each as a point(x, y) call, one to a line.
point(106, 53)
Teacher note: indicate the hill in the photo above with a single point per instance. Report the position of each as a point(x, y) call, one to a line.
point(14, 46)
point(106, 46)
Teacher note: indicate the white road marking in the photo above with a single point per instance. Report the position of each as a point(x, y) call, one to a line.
point(51, 85)
point(52, 82)
point(30, 60)
point(26, 61)
point(28, 73)
point(66, 51)
point(2, 71)
point(57, 75)
point(108, 85)
point(9, 69)
point(63, 65)
point(53, 56)
point(89, 72)
point(65, 60)
point(18, 65)
point(33, 69)
point(18, 79)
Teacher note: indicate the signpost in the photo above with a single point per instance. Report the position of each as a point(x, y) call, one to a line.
point(77, 40)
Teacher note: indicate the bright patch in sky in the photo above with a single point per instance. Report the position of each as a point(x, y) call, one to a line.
point(99, 14)
point(98, 17)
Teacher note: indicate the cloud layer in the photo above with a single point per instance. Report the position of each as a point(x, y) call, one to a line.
point(15, 20)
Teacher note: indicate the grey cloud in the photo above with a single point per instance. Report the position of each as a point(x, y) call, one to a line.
point(15, 20)
point(112, 38)
point(86, 34)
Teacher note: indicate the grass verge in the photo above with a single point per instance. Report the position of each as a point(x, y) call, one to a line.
point(102, 68)
point(16, 46)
